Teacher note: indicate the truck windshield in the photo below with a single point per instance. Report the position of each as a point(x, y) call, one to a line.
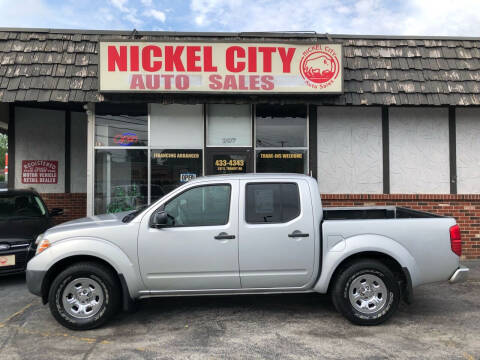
point(20, 205)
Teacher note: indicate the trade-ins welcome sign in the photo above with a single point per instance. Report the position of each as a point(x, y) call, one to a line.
point(220, 67)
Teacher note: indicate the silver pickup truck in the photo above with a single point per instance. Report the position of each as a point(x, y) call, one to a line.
point(243, 234)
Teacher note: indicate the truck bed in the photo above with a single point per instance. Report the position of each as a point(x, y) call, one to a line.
point(374, 212)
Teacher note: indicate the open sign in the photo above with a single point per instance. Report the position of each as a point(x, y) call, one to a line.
point(125, 139)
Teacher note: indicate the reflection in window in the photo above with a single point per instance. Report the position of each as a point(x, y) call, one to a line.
point(229, 125)
point(200, 206)
point(281, 126)
point(120, 180)
point(120, 130)
point(121, 124)
point(173, 167)
point(272, 203)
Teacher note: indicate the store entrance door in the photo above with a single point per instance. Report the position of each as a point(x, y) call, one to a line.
point(228, 161)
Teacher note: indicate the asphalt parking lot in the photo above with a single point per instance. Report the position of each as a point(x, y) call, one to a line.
point(443, 323)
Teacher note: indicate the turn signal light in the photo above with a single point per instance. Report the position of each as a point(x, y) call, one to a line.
point(456, 240)
point(44, 244)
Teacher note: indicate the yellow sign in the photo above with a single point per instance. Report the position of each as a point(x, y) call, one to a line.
point(221, 67)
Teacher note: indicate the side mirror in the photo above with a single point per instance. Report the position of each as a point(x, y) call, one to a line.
point(159, 219)
point(56, 212)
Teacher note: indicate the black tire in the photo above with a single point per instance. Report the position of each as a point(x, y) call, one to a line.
point(101, 275)
point(353, 273)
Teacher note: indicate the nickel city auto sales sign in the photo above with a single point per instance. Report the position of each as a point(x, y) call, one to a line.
point(220, 67)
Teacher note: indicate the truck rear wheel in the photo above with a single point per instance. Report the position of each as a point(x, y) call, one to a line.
point(84, 296)
point(366, 292)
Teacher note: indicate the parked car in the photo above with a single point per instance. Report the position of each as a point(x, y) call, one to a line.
point(23, 216)
point(244, 234)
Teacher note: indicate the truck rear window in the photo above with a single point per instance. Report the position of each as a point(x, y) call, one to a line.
point(271, 202)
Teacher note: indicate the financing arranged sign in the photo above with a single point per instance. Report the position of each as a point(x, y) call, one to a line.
point(220, 67)
point(39, 171)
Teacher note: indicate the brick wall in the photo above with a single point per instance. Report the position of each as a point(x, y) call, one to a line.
point(74, 205)
point(465, 209)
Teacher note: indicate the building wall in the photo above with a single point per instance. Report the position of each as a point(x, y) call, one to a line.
point(349, 149)
point(78, 153)
point(419, 151)
point(468, 150)
point(40, 135)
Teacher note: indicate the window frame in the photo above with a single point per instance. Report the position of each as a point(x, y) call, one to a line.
point(273, 183)
point(162, 207)
point(260, 148)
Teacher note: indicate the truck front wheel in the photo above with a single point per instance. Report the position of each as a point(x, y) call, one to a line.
point(84, 296)
point(366, 292)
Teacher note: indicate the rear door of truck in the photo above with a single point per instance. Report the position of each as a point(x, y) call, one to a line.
point(276, 232)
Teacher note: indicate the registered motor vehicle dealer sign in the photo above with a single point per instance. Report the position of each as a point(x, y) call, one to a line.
point(220, 67)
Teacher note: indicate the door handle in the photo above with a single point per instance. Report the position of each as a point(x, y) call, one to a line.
point(224, 236)
point(298, 233)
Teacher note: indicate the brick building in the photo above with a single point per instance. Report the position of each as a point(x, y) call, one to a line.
point(108, 130)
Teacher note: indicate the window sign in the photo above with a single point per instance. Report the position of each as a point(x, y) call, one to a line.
point(173, 167)
point(286, 161)
point(229, 125)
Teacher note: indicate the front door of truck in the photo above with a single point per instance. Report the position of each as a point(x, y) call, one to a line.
point(198, 249)
point(277, 235)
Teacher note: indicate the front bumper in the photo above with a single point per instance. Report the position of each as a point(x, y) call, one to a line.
point(460, 275)
point(23, 253)
point(35, 281)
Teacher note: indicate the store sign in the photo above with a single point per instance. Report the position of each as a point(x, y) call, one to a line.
point(220, 67)
point(39, 172)
point(126, 139)
point(187, 177)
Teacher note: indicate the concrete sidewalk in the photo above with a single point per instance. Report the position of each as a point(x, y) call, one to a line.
point(474, 266)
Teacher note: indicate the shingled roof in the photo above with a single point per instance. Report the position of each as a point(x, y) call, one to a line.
point(40, 65)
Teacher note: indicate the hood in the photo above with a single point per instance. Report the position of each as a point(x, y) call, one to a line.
point(87, 225)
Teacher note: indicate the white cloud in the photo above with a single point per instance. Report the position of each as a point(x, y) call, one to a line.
point(120, 5)
point(147, 2)
point(156, 14)
point(412, 17)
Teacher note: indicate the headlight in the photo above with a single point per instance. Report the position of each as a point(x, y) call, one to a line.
point(43, 245)
point(38, 239)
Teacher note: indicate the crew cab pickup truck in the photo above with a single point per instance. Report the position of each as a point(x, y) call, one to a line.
point(243, 234)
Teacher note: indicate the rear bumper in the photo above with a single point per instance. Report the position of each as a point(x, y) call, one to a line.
point(459, 275)
point(35, 281)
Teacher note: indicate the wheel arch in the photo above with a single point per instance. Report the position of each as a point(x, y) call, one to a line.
point(64, 263)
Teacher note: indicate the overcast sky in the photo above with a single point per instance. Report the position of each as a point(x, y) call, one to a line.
point(397, 17)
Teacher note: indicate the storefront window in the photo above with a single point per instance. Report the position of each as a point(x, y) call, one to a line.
point(171, 168)
point(121, 180)
point(118, 125)
point(281, 140)
point(229, 125)
point(281, 126)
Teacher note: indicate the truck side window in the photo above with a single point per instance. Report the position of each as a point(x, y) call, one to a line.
point(200, 206)
point(271, 203)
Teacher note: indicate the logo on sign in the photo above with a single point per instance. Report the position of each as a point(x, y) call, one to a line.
point(126, 139)
point(3, 260)
point(319, 66)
